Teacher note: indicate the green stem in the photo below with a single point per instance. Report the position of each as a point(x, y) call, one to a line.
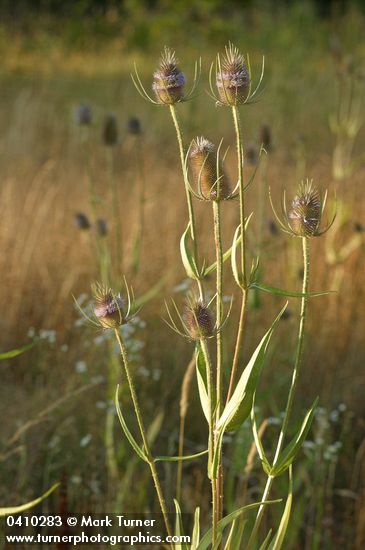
point(239, 146)
point(143, 432)
point(112, 463)
point(244, 287)
point(211, 423)
point(294, 382)
point(219, 308)
point(184, 401)
point(189, 198)
point(219, 290)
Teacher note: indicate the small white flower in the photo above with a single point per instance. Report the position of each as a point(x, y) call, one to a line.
point(80, 367)
point(85, 440)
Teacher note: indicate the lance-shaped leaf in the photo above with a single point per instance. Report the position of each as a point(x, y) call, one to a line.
point(195, 537)
point(227, 546)
point(236, 274)
point(238, 277)
point(178, 458)
point(218, 542)
point(289, 293)
point(260, 449)
point(10, 510)
point(15, 352)
point(265, 544)
point(227, 520)
point(214, 464)
point(179, 529)
point(278, 540)
point(201, 374)
point(234, 538)
point(187, 256)
point(128, 434)
point(239, 406)
point(288, 455)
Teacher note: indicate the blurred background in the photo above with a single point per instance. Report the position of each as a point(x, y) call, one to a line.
point(84, 158)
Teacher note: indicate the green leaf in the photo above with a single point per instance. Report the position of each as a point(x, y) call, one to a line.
point(227, 546)
point(201, 374)
point(15, 352)
point(237, 539)
point(195, 537)
point(227, 520)
point(218, 542)
point(260, 449)
point(22, 508)
point(264, 545)
point(288, 455)
point(236, 275)
point(213, 467)
point(235, 535)
point(239, 406)
point(288, 293)
point(278, 540)
point(187, 256)
point(179, 530)
point(178, 458)
point(128, 434)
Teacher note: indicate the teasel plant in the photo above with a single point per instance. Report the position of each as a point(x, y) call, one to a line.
point(302, 220)
point(205, 179)
point(110, 312)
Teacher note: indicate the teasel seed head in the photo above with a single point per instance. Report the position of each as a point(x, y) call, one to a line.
point(82, 221)
point(233, 79)
point(101, 227)
point(134, 126)
point(306, 211)
point(109, 307)
point(83, 114)
point(304, 217)
point(168, 80)
point(203, 163)
point(110, 130)
point(199, 320)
